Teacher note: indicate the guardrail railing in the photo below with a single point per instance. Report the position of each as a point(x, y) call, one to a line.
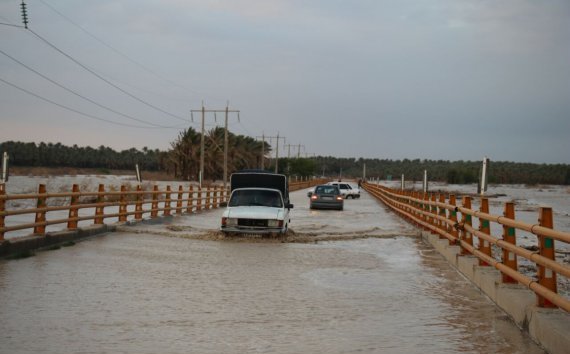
point(295, 186)
point(441, 215)
point(126, 204)
point(121, 205)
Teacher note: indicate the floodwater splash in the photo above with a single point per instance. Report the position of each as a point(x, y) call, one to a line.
point(189, 232)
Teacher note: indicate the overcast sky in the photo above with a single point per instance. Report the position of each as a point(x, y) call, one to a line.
point(437, 79)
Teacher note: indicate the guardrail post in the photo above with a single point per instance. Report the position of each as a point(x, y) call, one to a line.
point(509, 235)
point(99, 209)
point(154, 205)
point(546, 277)
point(453, 218)
point(190, 203)
point(2, 210)
point(216, 197)
point(199, 199)
point(442, 213)
point(484, 227)
point(414, 207)
point(167, 201)
point(208, 200)
point(433, 211)
point(419, 209)
point(41, 215)
point(123, 204)
point(411, 206)
point(466, 219)
point(139, 203)
point(179, 200)
point(402, 205)
point(426, 209)
point(73, 210)
point(406, 203)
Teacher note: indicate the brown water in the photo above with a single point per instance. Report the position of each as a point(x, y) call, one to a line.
point(146, 293)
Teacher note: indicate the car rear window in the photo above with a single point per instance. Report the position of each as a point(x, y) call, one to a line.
point(326, 190)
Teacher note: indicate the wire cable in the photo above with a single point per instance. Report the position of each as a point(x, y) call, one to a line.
point(72, 109)
point(79, 95)
point(103, 79)
point(11, 25)
point(112, 48)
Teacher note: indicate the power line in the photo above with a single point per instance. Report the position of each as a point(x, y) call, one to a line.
point(78, 94)
point(11, 25)
point(111, 47)
point(103, 79)
point(71, 109)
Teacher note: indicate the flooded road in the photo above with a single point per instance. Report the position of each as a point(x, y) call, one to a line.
point(134, 292)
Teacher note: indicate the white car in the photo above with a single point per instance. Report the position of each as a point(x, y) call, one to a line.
point(347, 190)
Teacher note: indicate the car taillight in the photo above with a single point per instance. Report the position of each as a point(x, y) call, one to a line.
point(339, 197)
point(224, 221)
point(314, 197)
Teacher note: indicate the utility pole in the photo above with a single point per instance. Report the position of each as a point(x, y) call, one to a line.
point(299, 150)
point(5, 174)
point(277, 150)
point(226, 143)
point(262, 150)
point(483, 182)
point(227, 110)
point(288, 146)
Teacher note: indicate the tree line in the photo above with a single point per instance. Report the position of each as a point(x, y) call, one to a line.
point(455, 172)
point(182, 161)
point(58, 155)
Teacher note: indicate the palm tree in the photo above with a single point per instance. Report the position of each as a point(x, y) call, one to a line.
point(185, 153)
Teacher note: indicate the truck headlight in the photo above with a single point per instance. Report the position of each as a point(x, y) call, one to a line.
point(229, 222)
point(275, 223)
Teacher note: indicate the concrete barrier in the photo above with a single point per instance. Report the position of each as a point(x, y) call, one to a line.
point(550, 328)
point(25, 245)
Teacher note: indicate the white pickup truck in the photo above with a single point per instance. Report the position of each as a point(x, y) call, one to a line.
point(259, 204)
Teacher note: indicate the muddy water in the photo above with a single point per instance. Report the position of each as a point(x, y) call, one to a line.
point(145, 293)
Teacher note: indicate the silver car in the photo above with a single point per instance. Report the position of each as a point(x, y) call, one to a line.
point(326, 197)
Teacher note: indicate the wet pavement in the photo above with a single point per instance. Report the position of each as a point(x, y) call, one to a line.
point(181, 287)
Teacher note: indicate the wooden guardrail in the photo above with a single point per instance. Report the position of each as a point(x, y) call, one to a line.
point(295, 186)
point(441, 215)
point(132, 204)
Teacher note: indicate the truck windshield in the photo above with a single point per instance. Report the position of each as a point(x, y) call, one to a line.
point(252, 197)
